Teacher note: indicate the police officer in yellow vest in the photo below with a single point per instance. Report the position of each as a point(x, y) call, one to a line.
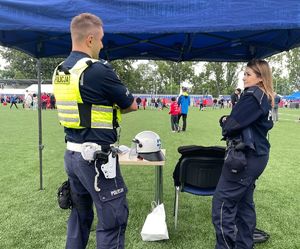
point(90, 99)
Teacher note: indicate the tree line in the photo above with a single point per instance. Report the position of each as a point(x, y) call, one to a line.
point(164, 77)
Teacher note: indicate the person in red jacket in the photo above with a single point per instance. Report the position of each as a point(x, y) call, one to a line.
point(204, 104)
point(144, 103)
point(174, 112)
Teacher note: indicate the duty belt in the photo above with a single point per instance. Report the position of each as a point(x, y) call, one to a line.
point(94, 152)
point(78, 147)
point(236, 143)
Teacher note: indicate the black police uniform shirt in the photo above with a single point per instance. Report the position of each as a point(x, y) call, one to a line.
point(101, 86)
point(253, 111)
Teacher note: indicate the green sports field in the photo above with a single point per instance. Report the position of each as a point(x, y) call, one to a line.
point(31, 219)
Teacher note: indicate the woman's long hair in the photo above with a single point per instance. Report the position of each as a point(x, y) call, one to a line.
point(263, 70)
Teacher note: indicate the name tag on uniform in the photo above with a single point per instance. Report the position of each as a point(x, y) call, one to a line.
point(62, 79)
point(117, 191)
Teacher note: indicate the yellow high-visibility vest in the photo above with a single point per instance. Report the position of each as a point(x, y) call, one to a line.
point(66, 90)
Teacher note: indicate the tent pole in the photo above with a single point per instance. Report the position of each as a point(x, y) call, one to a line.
point(171, 80)
point(41, 146)
point(179, 72)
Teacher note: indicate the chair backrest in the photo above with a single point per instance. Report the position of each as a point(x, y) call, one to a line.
point(199, 171)
point(199, 166)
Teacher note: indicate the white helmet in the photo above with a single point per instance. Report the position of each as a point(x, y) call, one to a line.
point(147, 145)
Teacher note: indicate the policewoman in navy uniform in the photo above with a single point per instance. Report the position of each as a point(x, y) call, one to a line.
point(90, 99)
point(233, 210)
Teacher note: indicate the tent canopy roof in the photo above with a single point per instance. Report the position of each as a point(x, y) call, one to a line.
point(293, 96)
point(177, 30)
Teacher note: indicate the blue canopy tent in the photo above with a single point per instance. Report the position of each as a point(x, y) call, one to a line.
point(190, 30)
point(293, 96)
point(195, 30)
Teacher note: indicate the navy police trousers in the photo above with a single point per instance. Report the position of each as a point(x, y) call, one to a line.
point(110, 203)
point(233, 209)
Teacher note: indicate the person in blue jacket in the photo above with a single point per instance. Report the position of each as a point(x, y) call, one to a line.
point(13, 101)
point(233, 209)
point(184, 102)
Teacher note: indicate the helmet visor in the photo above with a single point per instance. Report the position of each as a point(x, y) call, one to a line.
point(153, 156)
point(133, 150)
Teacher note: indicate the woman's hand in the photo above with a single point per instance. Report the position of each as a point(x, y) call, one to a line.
point(222, 120)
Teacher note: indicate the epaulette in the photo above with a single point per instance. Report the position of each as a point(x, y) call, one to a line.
point(104, 62)
point(256, 92)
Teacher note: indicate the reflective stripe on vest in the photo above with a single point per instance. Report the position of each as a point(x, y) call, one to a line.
point(66, 91)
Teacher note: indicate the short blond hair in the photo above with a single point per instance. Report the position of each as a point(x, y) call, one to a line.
point(262, 69)
point(83, 25)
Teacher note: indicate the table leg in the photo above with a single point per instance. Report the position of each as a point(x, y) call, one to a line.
point(158, 185)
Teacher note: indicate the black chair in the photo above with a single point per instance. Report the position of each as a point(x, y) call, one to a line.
point(197, 171)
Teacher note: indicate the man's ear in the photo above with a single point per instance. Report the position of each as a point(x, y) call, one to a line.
point(89, 40)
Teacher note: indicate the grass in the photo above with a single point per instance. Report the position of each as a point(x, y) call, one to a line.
point(31, 219)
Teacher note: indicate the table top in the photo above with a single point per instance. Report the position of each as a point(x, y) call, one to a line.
point(125, 160)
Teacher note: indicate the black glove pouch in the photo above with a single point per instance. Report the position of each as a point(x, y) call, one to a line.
point(64, 196)
point(235, 160)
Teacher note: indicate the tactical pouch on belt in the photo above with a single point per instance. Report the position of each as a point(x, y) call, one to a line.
point(64, 195)
point(101, 156)
point(235, 158)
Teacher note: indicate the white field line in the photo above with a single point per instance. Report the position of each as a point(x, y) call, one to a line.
point(294, 115)
point(286, 119)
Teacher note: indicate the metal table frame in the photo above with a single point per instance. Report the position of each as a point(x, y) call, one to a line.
point(158, 194)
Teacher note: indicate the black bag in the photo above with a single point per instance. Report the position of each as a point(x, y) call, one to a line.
point(64, 196)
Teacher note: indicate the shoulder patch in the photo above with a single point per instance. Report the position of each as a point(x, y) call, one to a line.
point(256, 92)
point(105, 63)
